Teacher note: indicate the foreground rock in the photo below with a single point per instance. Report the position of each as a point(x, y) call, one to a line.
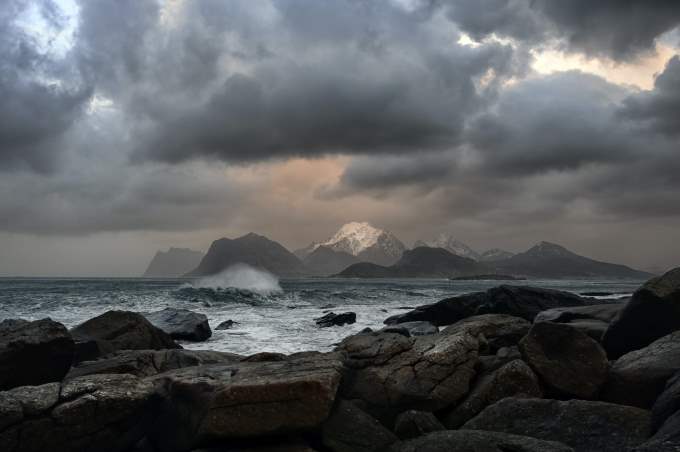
point(32, 353)
point(96, 413)
point(477, 441)
point(518, 301)
point(653, 312)
point(666, 438)
point(409, 329)
point(668, 402)
point(349, 429)
point(592, 320)
point(181, 324)
point(118, 330)
point(514, 379)
point(494, 331)
point(584, 425)
point(413, 423)
point(568, 361)
point(144, 363)
point(333, 319)
point(639, 377)
point(244, 400)
point(392, 373)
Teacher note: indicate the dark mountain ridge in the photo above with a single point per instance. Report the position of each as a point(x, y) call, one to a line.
point(172, 263)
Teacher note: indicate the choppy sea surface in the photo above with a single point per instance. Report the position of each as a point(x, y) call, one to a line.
point(272, 315)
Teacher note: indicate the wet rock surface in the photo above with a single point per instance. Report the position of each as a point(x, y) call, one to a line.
point(333, 319)
point(181, 323)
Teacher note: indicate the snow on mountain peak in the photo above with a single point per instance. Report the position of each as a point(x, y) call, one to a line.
point(449, 243)
point(355, 237)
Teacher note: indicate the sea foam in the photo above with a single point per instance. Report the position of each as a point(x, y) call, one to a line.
point(242, 277)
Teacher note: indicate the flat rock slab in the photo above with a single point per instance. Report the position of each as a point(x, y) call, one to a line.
point(568, 361)
point(477, 441)
point(639, 377)
point(584, 425)
point(392, 373)
point(181, 324)
point(32, 353)
point(246, 399)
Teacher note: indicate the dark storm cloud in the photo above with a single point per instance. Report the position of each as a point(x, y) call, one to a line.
point(620, 29)
point(42, 96)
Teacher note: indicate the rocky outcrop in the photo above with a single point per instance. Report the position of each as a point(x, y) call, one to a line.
point(118, 330)
point(409, 329)
point(95, 413)
point(592, 320)
point(349, 429)
point(333, 319)
point(413, 423)
point(667, 403)
point(226, 325)
point(392, 373)
point(495, 331)
point(181, 323)
point(144, 363)
point(639, 377)
point(653, 312)
point(514, 379)
point(568, 361)
point(32, 353)
point(584, 425)
point(216, 402)
point(477, 441)
point(518, 301)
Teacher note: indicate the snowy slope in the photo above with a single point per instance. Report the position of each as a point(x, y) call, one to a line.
point(449, 243)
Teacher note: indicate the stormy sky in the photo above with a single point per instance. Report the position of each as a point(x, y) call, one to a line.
point(127, 126)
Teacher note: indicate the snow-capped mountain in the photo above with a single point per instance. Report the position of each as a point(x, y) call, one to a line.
point(450, 244)
point(495, 254)
point(361, 239)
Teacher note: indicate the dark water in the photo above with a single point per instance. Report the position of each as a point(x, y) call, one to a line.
point(271, 315)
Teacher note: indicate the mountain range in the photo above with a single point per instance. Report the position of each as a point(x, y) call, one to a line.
point(173, 263)
point(361, 250)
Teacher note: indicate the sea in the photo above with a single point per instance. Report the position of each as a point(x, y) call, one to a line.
point(270, 314)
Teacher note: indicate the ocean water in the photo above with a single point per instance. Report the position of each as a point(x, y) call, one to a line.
point(272, 315)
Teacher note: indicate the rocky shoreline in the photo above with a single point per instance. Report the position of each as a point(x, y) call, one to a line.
point(508, 369)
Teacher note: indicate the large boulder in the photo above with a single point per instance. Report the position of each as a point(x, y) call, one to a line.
point(639, 377)
point(333, 319)
point(515, 379)
point(409, 329)
point(98, 413)
point(518, 301)
point(568, 361)
point(477, 441)
point(592, 320)
point(584, 425)
point(349, 429)
point(144, 363)
point(652, 312)
point(494, 331)
point(32, 353)
point(392, 373)
point(118, 330)
point(666, 438)
point(181, 324)
point(668, 403)
point(413, 423)
point(212, 403)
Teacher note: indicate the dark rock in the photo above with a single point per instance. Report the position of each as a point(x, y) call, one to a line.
point(639, 377)
point(215, 402)
point(489, 363)
point(652, 312)
point(409, 329)
point(567, 360)
point(332, 319)
point(592, 320)
point(495, 331)
point(666, 439)
point(392, 373)
point(412, 424)
point(227, 324)
point(118, 330)
point(477, 441)
point(514, 379)
point(263, 357)
point(349, 429)
point(107, 413)
point(181, 323)
point(668, 402)
point(586, 426)
point(32, 353)
point(518, 301)
point(144, 363)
